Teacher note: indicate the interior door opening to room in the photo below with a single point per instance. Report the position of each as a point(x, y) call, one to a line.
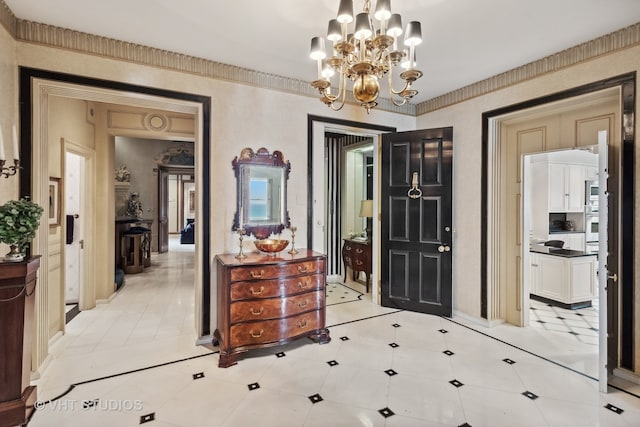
point(566, 119)
point(318, 195)
point(348, 184)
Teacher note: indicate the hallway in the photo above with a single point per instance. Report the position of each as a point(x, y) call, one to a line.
point(133, 361)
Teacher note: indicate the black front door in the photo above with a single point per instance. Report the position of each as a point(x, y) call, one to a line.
point(416, 220)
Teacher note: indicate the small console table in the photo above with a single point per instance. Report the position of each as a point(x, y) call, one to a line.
point(356, 254)
point(265, 301)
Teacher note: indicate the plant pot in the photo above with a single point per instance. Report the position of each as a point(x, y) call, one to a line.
point(14, 255)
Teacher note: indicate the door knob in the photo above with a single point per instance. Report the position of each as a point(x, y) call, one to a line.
point(613, 277)
point(441, 248)
point(447, 248)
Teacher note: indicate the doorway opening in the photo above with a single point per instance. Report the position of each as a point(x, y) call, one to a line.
point(323, 236)
point(37, 90)
point(502, 264)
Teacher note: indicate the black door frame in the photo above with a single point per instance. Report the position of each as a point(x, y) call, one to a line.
point(311, 119)
point(627, 84)
point(26, 75)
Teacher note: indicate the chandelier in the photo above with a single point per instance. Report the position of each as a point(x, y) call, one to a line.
point(366, 56)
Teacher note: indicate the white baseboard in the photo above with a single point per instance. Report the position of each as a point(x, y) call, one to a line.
point(334, 278)
point(626, 375)
point(477, 320)
point(107, 300)
point(37, 374)
point(205, 340)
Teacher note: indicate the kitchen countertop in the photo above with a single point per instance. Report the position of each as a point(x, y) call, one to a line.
point(565, 232)
point(565, 253)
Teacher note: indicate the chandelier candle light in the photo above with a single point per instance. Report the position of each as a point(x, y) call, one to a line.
point(366, 56)
point(9, 170)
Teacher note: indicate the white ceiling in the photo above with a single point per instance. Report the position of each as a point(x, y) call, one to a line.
point(464, 40)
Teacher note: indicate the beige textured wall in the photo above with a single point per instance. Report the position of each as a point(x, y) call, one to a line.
point(8, 113)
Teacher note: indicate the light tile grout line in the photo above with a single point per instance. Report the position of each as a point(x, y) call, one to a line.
point(541, 357)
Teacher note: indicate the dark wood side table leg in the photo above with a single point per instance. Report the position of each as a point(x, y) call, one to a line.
point(368, 277)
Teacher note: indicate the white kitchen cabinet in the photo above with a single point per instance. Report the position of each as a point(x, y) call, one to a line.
point(566, 187)
point(567, 280)
point(592, 173)
point(534, 273)
point(575, 241)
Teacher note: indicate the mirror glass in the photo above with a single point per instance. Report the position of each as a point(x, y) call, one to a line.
point(261, 192)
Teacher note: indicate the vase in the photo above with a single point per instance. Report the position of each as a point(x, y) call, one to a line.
point(14, 255)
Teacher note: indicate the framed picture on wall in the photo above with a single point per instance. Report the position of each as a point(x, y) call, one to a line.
point(192, 201)
point(54, 201)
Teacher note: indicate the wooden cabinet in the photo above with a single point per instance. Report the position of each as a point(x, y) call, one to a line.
point(17, 299)
point(356, 255)
point(265, 301)
point(569, 282)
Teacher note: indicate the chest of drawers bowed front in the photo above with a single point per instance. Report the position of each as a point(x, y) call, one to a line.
point(265, 301)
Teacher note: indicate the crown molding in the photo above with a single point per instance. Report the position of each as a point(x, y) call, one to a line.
point(62, 38)
point(617, 40)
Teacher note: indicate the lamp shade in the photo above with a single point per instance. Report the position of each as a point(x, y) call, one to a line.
point(363, 26)
point(345, 11)
point(366, 209)
point(334, 33)
point(317, 48)
point(395, 25)
point(413, 35)
point(383, 9)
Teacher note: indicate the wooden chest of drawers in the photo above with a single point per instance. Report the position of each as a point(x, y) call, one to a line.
point(357, 256)
point(265, 301)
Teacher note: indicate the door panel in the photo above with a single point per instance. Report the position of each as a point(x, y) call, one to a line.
point(163, 215)
point(416, 226)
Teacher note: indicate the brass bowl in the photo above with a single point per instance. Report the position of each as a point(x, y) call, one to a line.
point(271, 246)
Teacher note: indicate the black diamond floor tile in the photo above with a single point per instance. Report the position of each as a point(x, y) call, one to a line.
point(147, 418)
point(386, 412)
point(332, 363)
point(615, 409)
point(89, 403)
point(395, 325)
point(315, 398)
point(448, 352)
point(254, 386)
point(530, 395)
point(456, 383)
point(393, 345)
point(443, 331)
point(390, 372)
point(344, 338)
point(280, 354)
point(509, 361)
point(198, 375)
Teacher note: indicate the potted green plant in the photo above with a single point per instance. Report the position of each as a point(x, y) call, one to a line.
point(19, 220)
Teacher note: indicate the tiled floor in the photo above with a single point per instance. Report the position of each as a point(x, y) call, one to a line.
point(133, 361)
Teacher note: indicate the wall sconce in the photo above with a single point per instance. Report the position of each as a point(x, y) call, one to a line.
point(9, 170)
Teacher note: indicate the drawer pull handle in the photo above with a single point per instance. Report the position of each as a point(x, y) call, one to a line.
point(359, 251)
point(359, 262)
point(256, 313)
point(303, 304)
point(303, 268)
point(253, 292)
point(257, 276)
point(302, 323)
point(258, 335)
point(304, 285)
